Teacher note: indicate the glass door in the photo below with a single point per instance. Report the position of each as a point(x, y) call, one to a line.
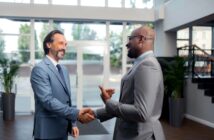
point(92, 70)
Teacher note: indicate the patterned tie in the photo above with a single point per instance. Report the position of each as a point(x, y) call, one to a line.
point(60, 72)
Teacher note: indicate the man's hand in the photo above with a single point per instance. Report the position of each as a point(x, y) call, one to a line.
point(86, 115)
point(75, 132)
point(106, 93)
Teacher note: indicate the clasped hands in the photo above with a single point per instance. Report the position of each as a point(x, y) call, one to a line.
point(87, 115)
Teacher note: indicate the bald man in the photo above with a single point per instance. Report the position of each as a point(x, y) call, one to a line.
point(141, 93)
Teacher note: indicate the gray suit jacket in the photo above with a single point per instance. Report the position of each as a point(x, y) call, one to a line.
point(53, 111)
point(140, 104)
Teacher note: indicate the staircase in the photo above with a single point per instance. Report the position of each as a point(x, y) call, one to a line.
point(206, 84)
point(201, 65)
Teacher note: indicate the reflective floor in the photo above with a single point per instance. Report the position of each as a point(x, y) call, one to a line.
point(21, 129)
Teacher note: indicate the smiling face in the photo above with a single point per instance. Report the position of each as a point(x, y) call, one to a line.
point(57, 47)
point(134, 44)
point(140, 41)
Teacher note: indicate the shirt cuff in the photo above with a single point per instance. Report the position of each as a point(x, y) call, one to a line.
point(74, 123)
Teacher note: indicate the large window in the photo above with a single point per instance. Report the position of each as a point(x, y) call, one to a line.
point(182, 41)
point(17, 39)
point(18, 43)
point(41, 28)
point(202, 37)
point(41, 1)
point(139, 4)
point(114, 3)
point(64, 2)
point(89, 31)
point(16, 1)
point(116, 38)
point(99, 3)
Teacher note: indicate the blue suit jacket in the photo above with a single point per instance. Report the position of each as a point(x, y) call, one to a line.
point(53, 111)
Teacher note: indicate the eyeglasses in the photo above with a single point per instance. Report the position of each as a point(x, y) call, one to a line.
point(134, 36)
point(140, 36)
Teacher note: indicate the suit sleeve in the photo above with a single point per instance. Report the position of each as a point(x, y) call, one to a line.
point(43, 93)
point(146, 86)
point(103, 115)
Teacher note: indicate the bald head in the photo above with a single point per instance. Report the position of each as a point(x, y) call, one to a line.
point(140, 41)
point(146, 31)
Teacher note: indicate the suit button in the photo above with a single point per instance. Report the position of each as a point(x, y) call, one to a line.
point(67, 102)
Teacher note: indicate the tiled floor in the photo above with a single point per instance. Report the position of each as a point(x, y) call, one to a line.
point(21, 129)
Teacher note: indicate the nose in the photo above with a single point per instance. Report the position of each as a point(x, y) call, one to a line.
point(64, 46)
point(127, 45)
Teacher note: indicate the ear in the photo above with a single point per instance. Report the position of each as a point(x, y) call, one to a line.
point(48, 45)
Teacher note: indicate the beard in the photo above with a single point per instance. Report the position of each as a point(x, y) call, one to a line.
point(60, 53)
point(132, 52)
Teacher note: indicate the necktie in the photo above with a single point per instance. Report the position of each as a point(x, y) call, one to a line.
point(60, 72)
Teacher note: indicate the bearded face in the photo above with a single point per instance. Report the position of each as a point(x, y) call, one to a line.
point(132, 50)
point(57, 47)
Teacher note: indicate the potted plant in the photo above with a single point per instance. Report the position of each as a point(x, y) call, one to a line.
point(7, 77)
point(174, 82)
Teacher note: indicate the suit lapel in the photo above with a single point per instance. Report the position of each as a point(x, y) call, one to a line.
point(123, 80)
point(54, 70)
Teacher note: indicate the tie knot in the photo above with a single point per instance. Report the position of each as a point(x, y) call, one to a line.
point(58, 67)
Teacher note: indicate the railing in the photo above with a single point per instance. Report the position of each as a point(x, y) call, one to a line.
point(200, 62)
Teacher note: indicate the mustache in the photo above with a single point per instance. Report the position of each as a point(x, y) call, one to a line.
point(61, 50)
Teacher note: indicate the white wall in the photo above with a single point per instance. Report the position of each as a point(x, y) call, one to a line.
point(198, 106)
point(165, 42)
point(181, 12)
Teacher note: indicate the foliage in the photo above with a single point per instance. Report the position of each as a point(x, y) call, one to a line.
point(174, 77)
point(24, 42)
point(83, 32)
point(115, 49)
point(9, 71)
point(47, 28)
point(133, 2)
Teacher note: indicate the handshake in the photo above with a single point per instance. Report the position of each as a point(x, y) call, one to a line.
point(87, 114)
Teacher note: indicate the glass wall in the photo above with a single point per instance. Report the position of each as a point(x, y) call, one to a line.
point(116, 37)
point(20, 36)
point(41, 28)
point(139, 4)
point(115, 3)
point(18, 42)
point(16, 46)
point(41, 1)
point(16, 1)
point(182, 41)
point(98, 3)
point(202, 37)
point(64, 2)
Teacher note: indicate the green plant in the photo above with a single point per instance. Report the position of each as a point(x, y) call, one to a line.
point(174, 77)
point(8, 74)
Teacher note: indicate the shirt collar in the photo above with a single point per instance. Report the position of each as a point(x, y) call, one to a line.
point(142, 56)
point(52, 60)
